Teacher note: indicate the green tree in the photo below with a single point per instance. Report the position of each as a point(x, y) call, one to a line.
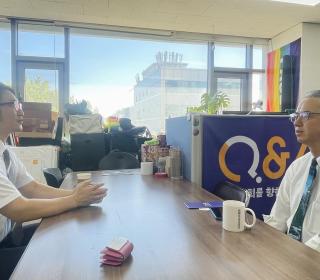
point(211, 104)
point(38, 90)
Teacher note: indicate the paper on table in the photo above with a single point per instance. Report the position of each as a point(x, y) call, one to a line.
point(203, 204)
point(121, 172)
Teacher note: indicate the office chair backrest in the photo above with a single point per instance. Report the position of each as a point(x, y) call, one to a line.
point(87, 150)
point(118, 160)
point(53, 176)
point(229, 191)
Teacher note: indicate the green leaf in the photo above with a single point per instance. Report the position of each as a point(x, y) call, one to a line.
point(211, 104)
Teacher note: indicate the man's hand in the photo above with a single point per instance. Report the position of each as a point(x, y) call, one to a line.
point(86, 193)
point(24, 209)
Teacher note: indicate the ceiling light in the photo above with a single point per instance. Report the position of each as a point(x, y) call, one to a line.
point(300, 2)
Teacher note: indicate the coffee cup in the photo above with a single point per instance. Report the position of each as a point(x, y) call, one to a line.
point(146, 168)
point(83, 177)
point(234, 216)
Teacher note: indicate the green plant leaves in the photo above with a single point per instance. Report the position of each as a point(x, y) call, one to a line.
point(211, 104)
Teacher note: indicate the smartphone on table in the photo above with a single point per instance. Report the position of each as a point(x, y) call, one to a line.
point(216, 213)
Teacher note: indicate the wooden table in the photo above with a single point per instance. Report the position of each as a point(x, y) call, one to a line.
point(171, 242)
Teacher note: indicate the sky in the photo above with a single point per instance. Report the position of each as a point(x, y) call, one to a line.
point(103, 69)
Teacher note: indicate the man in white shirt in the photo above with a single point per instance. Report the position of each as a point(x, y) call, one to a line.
point(21, 197)
point(306, 122)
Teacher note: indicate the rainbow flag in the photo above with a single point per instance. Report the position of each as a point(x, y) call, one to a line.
point(273, 74)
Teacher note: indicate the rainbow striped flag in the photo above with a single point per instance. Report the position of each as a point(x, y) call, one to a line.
point(273, 74)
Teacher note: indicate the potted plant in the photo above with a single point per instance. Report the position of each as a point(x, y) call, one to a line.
point(211, 104)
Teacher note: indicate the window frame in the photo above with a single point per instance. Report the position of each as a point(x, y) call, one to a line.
point(33, 64)
point(146, 34)
point(60, 64)
point(245, 74)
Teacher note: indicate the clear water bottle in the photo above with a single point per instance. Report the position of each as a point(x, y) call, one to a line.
point(175, 160)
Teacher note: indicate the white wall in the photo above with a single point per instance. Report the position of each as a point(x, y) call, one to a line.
point(286, 37)
point(310, 58)
point(310, 53)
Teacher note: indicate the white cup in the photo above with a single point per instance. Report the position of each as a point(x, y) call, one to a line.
point(146, 168)
point(233, 216)
point(83, 177)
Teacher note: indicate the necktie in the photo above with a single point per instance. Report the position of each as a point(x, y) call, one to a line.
point(16, 234)
point(6, 159)
point(295, 230)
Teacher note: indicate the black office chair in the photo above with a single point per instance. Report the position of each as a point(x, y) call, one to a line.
point(118, 160)
point(229, 191)
point(53, 177)
point(87, 150)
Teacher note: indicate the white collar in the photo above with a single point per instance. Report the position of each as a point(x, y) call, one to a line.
point(2, 147)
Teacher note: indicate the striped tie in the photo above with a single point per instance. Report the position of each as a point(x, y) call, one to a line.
point(16, 233)
point(295, 230)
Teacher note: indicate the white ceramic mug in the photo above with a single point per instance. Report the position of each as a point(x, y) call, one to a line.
point(233, 216)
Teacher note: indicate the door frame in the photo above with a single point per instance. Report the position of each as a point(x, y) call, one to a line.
point(43, 65)
point(245, 97)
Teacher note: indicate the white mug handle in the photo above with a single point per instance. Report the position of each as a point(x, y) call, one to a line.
point(253, 216)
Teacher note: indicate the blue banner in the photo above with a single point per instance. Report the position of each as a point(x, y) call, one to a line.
point(250, 151)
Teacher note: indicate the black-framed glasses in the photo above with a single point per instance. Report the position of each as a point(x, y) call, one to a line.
point(303, 115)
point(17, 105)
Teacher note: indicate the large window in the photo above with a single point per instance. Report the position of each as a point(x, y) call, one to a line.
point(235, 86)
point(40, 40)
point(230, 55)
point(41, 85)
point(41, 64)
point(147, 81)
point(146, 78)
point(258, 57)
point(238, 72)
point(5, 53)
point(258, 90)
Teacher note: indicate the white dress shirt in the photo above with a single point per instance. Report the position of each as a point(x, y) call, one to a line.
point(9, 184)
point(288, 200)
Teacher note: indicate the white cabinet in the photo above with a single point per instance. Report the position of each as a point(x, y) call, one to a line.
point(35, 158)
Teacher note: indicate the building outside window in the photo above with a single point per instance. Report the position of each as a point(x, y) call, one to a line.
point(146, 81)
point(144, 78)
point(172, 87)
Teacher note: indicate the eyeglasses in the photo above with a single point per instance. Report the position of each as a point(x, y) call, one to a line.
point(303, 115)
point(17, 105)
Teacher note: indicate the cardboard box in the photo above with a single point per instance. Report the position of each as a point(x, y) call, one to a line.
point(37, 117)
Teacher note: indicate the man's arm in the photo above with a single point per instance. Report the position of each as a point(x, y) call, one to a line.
point(35, 189)
point(24, 209)
point(280, 211)
point(31, 188)
point(314, 242)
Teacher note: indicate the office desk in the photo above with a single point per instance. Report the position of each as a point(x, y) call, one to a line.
point(171, 242)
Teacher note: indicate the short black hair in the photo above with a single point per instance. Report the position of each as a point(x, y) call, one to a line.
point(4, 88)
